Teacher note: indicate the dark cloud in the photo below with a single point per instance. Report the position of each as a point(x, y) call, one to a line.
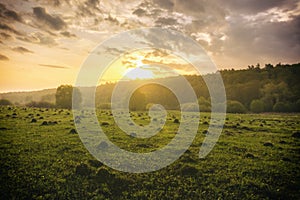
point(165, 21)
point(3, 57)
point(83, 11)
point(148, 9)
point(12, 15)
point(39, 38)
point(8, 28)
point(167, 4)
point(92, 3)
point(191, 6)
point(206, 15)
point(89, 8)
point(189, 17)
point(67, 34)
point(197, 25)
point(21, 50)
point(56, 2)
point(139, 12)
point(5, 36)
point(54, 66)
point(53, 22)
point(8, 14)
point(2, 7)
point(255, 6)
point(280, 39)
point(257, 42)
point(152, 12)
point(113, 51)
point(90, 14)
point(112, 20)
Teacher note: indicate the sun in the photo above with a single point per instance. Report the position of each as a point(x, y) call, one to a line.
point(138, 70)
point(138, 73)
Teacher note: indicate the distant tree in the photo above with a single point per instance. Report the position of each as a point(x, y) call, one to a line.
point(273, 93)
point(297, 106)
point(281, 107)
point(158, 94)
point(245, 92)
point(204, 105)
point(137, 101)
point(235, 107)
point(64, 94)
point(257, 106)
point(5, 102)
point(269, 66)
point(250, 67)
point(48, 98)
point(278, 65)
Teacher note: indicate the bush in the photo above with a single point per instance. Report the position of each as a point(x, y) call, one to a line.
point(257, 106)
point(190, 107)
point(236, 107)
point(5, 102)
point(204, 108)
point(154, 107)
point(137, 101)
point(204, 105)
point(281, 107)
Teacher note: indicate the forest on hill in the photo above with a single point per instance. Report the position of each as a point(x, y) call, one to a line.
point(255, 89)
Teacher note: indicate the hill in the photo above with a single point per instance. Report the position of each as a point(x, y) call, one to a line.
point(267, 89)
point(23, 98)
point(258, 89)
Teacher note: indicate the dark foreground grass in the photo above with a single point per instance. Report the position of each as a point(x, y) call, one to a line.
point(256, 157)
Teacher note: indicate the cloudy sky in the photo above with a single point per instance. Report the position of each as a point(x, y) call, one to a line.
point(44, 42)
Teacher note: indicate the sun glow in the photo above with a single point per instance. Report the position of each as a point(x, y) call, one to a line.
point(138, 70)
point(144, 64)
point(139, 73)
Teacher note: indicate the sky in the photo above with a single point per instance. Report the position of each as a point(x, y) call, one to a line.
point(43, 43)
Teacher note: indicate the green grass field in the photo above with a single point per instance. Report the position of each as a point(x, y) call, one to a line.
point(42, 157)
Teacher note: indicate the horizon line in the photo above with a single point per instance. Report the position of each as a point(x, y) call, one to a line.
point(115, 80)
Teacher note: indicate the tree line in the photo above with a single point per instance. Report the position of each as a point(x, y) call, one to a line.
point(255, 89)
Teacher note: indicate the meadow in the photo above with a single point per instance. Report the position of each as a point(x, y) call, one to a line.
point(42, 157)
